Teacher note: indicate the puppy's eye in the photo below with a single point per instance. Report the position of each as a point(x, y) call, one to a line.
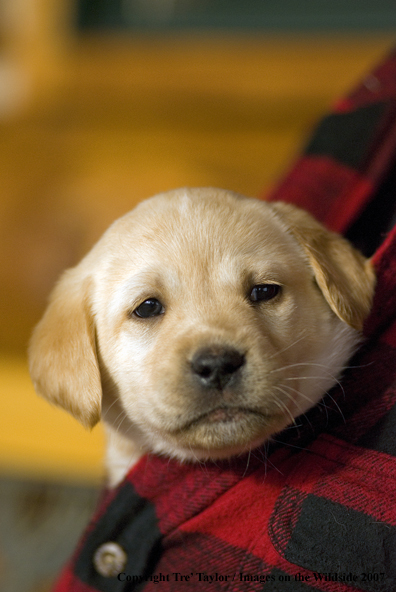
point(149, 308)
point(264, 292)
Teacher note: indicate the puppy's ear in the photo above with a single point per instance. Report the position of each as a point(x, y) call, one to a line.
point(345, 277)
point(62, 353)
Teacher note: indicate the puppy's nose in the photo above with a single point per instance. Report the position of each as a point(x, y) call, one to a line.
point(216, 366)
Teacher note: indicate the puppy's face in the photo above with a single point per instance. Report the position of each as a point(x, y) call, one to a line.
point(205, 321)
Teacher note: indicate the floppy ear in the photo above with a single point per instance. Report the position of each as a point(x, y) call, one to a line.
point(345, 277)
point(62, 353)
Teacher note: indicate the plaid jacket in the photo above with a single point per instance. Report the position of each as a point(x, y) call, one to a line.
point(316, 508)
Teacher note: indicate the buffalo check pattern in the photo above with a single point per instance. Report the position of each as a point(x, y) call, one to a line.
point(314, 509)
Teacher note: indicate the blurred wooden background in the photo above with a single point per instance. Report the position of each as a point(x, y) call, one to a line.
point(89, 126)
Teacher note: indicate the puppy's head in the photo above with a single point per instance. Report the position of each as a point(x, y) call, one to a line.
point(204, 322)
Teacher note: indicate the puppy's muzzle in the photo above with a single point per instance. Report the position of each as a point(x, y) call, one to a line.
point(217, 367)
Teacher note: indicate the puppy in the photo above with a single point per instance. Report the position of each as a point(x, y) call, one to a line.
point(201, 324)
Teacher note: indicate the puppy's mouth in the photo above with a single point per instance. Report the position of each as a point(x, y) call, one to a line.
point(225, 415)
point(225, 431)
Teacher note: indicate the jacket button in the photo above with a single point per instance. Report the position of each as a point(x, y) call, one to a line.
point(109, 559)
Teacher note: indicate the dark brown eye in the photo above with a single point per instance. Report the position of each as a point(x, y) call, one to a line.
point(149, 308)
point(264, 292)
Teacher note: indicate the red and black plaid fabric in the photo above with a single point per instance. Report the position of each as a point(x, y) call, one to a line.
point(315, 509)
point(349, 156)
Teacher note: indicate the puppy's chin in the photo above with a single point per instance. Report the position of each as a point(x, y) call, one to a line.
point(222, 433)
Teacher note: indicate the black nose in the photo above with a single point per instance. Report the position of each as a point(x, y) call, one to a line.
point(216, 366)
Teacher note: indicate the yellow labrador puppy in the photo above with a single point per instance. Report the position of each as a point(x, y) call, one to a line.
point(201, 323)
